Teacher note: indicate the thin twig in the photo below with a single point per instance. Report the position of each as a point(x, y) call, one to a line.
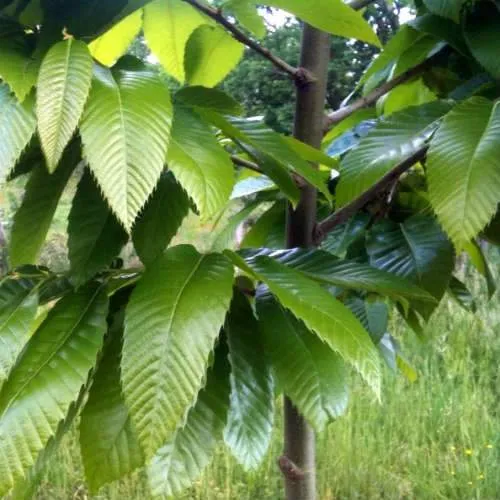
point(241, 162)
point(345, 213)
point(369, 100)
point(218, 17)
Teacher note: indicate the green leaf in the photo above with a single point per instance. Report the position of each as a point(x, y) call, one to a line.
point(95, 237)
point(47, 379)
point(321, 312)
point(416, 249)
point(199, 163)
point(390, 142)
point(247, 15)
point(445, 8)
point(34, 216)
point(461, 294)
point(211, 54)
point(168, 24)
point(125, 132)
point(18, 308)
point(478, 259)
point(481, 32)
point(250, 422)
point(108, 48)
point(332, 16)
point(17, 126)
point(212, 99)
point(372, 313)
point(18, 66)
point(161, 219)
point(173, 318)
point(309, 372)
point(275, 170)
point(183, 458)
point(327, 269)
point(338, 241)
point(463, 169)
point(63, 87)
point(269, 231)
point(109, 446)
point(252, 185)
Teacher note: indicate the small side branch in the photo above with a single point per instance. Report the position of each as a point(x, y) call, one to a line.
point(345, 213)
point(218, 17)
point(369, 100)
point(241, 162)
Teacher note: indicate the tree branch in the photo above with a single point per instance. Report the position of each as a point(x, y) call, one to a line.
point(369, 100)
point(345, 213)
point(218, 17)
point(241, 162)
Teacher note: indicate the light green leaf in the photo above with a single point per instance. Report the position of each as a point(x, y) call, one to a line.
point(479, 261)
point(95, 237)
point(269, 230)
point(252, 185)
point(63, 87)
point(211, 54)
point(18, 66)
point(309, 372)
point(168, 24)
point(17, 126)
point(108, 48)
point(109, 445)
point(47, 379)
point(321, 312)
point(172, 320)
point(33, 218)
point(125, 133)
point(183, 458)
point(199, 163)
point(161, 219)
point(327, 269)
point(250, 422)
point(390, 142)
point(407, 96)
point(416, 249)
point(18, 308)
point(463, 169)
point(207, 98)
point(481, 32)
point(332, 16)
point(247, 15)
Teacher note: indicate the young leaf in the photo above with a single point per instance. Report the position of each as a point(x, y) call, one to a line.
point(311, 374)
point(108, 48)
point(63, 87)
point(18, 67)
point(390, 142)
point(332, 16)
point(200, 165)
point(172, 320)
point(34, 216)
point(247, 15)
point(416, 249)
point(250, 422)
point(109, 445)
point(161, 219)
point(47, 378)
point(321, 312)
point(463, 169)
point(125, 132)
point(17, 126)
point(18, 307)
point(168, 24)
point(95, 237)
point(180, 461)
point(211, 54)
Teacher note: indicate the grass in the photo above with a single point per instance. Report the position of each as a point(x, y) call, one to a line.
point(436, 438)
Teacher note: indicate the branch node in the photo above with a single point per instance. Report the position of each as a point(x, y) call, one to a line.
point(290, 470)
point(303, 78)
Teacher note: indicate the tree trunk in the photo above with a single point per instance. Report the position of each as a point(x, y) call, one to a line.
point(308, 127)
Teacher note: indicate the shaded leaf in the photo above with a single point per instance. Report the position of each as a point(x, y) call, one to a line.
point(212, 99)
point(461, 294)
